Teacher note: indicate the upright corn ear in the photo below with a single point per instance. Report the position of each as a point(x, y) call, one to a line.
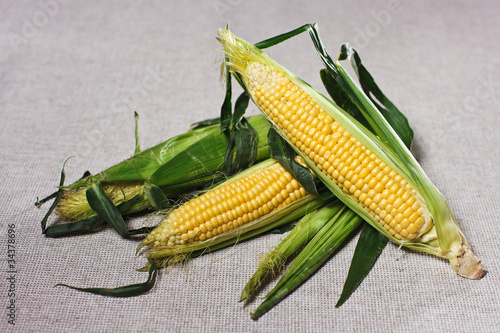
point(256, 198)
point(392, 194)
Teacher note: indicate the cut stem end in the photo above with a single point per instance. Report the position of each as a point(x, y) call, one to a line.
point(467, 265)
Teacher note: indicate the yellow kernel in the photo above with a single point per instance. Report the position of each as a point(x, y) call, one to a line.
point(344, 157)
point(198, 218)
point(363, 173)
point(404, 223)
point(261, 211)
point(334, 173)
point(379, 187)
point(372, 182)
point(403, 208)
point(414, 217)
point(406, 196)
point(397, 203)
point(411, 201)
point(394, 188)
point(259, 200)
point(391, 199)
point(360, 184)
point(407, 213)
point(420, 222)
point(378, 173)
point(412, 229)
point(382, 204)
point(302, 191)
point(344, 171)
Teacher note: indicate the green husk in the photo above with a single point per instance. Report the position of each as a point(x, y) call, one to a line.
point(441, 235)
point(157, 175)
point(285, 155)
point(158, 161)
point(312, 257)
point(137, 141)
point(303, 231)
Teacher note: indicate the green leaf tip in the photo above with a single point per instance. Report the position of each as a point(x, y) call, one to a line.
point(370, 245)
point(57, 196)
point(123, 291)
point(137, 141)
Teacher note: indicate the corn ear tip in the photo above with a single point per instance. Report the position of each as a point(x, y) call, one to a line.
point(273, 262)
point(254, 315)
point(244, 295)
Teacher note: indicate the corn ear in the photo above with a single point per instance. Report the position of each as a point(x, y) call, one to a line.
point(153, 163)
point(253, 201)
point(156, 175)
point(319, 129)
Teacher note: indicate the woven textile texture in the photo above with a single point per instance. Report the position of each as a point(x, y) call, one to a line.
point(73, 72)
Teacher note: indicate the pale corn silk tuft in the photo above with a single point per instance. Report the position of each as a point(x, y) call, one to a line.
point(74, 205)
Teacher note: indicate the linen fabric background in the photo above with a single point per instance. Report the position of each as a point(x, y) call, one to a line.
point(73, 72)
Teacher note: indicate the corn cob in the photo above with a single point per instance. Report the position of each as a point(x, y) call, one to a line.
point(254, 198)
point(358, 167)
point(346, 161)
